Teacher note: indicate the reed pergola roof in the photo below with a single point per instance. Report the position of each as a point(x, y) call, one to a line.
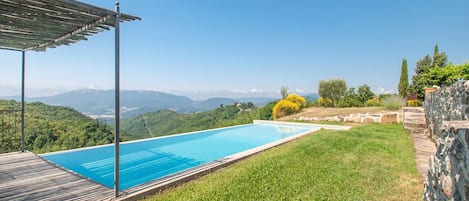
point(40, 24)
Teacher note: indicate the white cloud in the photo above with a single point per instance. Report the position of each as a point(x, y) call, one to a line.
point(256, 91)
point(299, 90)
point(239, 91)
point(382, 90)
point(251, 91)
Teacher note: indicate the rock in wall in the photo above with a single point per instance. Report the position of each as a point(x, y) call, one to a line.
point(446, 104)
point(448, 176)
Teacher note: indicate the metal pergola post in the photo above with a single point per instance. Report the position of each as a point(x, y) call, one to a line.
point(117, 104)
point(23, 64)
point(80, 21)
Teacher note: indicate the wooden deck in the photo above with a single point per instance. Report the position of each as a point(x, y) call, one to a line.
point(26, 176)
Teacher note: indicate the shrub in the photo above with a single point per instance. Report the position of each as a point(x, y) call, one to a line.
point(364, 94)
point(393, 102)
point(413, 103)
point(299, 100)
point(284, 108)
point(373, 102)
point(349, 102)
point(350, 99)
point(383, 96)
point(325, 102)
point(265, 113)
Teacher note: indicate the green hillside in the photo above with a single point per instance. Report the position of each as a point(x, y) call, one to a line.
point(49, 128)
point(166, 122)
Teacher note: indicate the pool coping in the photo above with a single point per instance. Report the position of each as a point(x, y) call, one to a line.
point(153, 187)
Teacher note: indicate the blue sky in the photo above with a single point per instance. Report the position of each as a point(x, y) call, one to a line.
point(249, 47)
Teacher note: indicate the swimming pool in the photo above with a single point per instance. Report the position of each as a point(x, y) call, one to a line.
point(146, 160)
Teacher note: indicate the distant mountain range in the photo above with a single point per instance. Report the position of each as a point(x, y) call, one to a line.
point(100, 103)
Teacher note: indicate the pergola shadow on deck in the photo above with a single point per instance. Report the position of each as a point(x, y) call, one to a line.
point(26, 176)
point(35, 25)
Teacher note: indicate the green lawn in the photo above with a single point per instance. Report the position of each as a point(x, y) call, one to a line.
point(370, 162)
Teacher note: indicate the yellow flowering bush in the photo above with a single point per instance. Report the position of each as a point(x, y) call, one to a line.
point(284, 107)
point(375, 101)
point(299, 100)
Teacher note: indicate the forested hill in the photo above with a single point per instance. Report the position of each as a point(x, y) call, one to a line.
point(50, 128)
point(166, 122)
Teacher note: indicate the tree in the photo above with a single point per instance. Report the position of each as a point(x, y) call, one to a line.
point(439, 59)
point(332, 89)
point(423, 66)
point(404, 80)
point(265, 113)
point(284, 92)
point(418, 87)
point(446, 76)
point(364, 93)
point(350, 99)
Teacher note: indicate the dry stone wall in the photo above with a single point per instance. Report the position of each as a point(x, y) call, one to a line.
point(383, 117)
point(447, 114)
point(448, 176)
point(446, 104)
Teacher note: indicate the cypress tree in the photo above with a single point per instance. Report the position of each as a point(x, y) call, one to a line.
point(439, 59)
point(404, 80)
point(284, 92)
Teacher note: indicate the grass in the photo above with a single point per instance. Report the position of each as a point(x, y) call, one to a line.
point(370, 162)
point(324, 122)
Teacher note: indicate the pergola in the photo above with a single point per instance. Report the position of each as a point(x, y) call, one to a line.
point(35, 25)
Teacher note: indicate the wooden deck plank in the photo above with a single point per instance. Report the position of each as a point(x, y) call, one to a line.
point(26, 176)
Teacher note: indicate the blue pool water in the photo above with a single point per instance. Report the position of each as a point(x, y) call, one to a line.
point(146, 160)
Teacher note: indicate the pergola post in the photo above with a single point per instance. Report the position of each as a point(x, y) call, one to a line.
point(117, 104)
point(23, 64)
point(80, 21)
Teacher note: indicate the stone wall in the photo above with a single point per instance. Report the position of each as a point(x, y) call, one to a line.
point(447, 114)
point(446, 104)
point(448, 176)
point(414, 119)
point(382, 117)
